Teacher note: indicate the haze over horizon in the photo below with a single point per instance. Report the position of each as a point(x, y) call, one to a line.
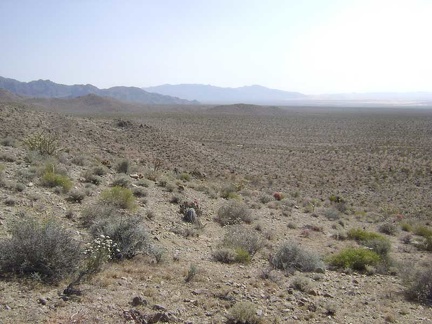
point(311, 47)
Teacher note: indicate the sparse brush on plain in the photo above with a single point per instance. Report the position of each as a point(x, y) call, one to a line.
point(229, 191)
point(119, 197)
point(98, 211)
point(233, 212)
point(42, 249)
point(290, 257)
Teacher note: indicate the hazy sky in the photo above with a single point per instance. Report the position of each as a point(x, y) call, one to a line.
point(311, 46)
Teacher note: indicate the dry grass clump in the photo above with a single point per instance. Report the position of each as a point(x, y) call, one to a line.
point(233, 212)
point(243, 313)
point(39, 249)
point(290, 257)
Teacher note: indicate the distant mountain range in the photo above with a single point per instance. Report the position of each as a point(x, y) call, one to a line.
point(49, 89)
point(216, 95)
point(193, 94)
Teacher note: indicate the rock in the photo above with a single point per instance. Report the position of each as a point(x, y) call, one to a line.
point(42, 301)
point(159, 308)
point(139, 301)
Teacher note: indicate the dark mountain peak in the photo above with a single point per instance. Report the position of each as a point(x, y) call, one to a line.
point(48, 89)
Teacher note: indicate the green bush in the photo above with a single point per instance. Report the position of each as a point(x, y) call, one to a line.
point(233, 212)
point(229, 191)
point(39, 249)
point(377, 242)
point(119, 197)
point(290, 257)
point(52, 179)
point(355, 258)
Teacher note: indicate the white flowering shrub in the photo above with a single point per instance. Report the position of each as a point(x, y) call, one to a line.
point(128, 233)
point(98, 252)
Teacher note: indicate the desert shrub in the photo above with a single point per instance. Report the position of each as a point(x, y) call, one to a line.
point(76, 196)
point(143, 183)
point(119, 197)
point(243, 313)
point(233, 212)
point(241, 237)
point(419, 285)
point(90, 214)
point(121, 181)
point(423, 230)
point(123, 166)
point(43, 249)
point(7, 157)
point(332, 214)
point(388, 228)
point(381, 246)
point(184, 176)
point(52, 179)
point(224, 255)
point(229, 191)
point(99, 170)
point(43, 142)
point(406, 227)
point(290, 256)
point(354, 258)
point(264, 199)
point(139, 192)
point(301, 283)
point(128, 233)
point(8, 141)
point(98, 252)
point(377, 242)
point(192, 272)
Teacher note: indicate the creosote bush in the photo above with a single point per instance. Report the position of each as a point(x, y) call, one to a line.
point(40, 248)
point(290, 257)
point(123, 166)
point(52, 179)
point(355, 258)
point(377, 242)
point(233, 212)
point(119, 197)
